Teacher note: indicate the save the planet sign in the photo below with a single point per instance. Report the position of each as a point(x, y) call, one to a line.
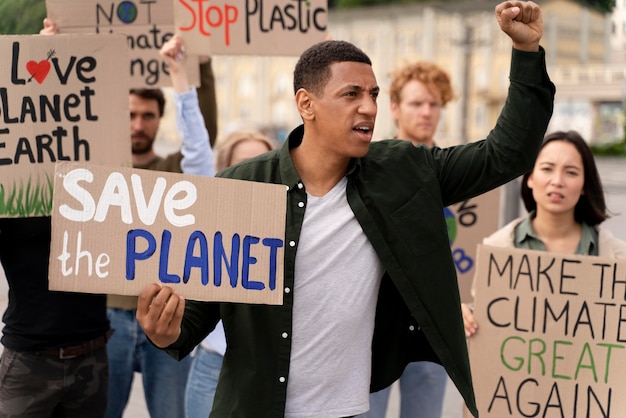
point(114, 230)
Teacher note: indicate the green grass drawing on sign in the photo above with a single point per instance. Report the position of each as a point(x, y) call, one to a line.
point(25, 200)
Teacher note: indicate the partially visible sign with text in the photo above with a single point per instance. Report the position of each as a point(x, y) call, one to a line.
point(551, 340)
point(147, 25)
point(251, 27)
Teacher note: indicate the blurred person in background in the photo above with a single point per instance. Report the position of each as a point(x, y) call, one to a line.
point(163, 378)
point(419, 91)
point(128, 348)
point(238, 146)
point(564, 198)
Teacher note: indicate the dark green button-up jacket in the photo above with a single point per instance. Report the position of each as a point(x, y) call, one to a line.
point(397, 192)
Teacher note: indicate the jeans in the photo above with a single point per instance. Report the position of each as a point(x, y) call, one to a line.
point(422, 388)
point(164, 378)
point(202, 382)
point(35, 385)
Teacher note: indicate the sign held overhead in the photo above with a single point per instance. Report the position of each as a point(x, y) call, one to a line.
point(251, 27)
point(147, 25)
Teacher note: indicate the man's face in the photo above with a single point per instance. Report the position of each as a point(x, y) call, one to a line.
point(417, 113)
point(144, 123)
point(344, 115)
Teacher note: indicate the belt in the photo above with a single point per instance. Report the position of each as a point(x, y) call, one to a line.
point(79, 350)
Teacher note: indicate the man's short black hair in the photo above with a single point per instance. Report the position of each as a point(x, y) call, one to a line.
point(312, 70)
point(151, 94)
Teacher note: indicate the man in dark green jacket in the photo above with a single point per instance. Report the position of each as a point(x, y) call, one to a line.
point(370, 284)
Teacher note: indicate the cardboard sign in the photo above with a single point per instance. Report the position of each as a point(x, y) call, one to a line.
point(61, 99)
point(147, 24)
point(552, 335)
point(116, 230)
point(468, 223)
point(251, 27)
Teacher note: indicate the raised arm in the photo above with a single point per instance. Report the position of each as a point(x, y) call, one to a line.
point(196, 150)
point(522, 21)
point(173, 53)
point(509, 150)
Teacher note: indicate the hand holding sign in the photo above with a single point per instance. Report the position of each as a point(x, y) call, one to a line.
point(469, 322)
point(49, 27)
point(160, 313)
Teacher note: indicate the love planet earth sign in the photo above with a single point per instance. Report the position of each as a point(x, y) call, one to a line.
point(114, 230)
point(61, 99)
point(552, 335)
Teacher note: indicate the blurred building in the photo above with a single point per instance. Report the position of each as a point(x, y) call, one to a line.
point(464, 38)
point(618, 33)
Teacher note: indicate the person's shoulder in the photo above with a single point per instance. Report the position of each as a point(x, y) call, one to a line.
point(609, 245)
point(389, 144)
point(250, 169)
point(505, 236)
point(395, 149)
point(169, 163)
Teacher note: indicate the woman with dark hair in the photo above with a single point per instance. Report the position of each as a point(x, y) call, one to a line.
point(565, 200)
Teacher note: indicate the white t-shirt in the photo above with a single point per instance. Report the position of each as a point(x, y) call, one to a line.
point(337, 278)
point(216, 340)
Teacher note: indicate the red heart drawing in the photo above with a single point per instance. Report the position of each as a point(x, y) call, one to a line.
point(39, 70)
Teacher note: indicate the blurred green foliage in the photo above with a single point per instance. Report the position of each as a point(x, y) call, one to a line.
point(21, 16)
point(341, 4)
point(602, 5)
point(26, 16)
point(611, 148)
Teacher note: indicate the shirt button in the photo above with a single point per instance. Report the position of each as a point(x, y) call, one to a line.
point(282, 379)
point(301, 204)
point(285, 335)
point(300, 185)
point(411, 328)
point(287, 188)
point(287, 290)
point(292, 243)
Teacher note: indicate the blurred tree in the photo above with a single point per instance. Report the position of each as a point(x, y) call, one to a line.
point(21, 16)
point(26, 16)
point(601, 5)
point(340, 4)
